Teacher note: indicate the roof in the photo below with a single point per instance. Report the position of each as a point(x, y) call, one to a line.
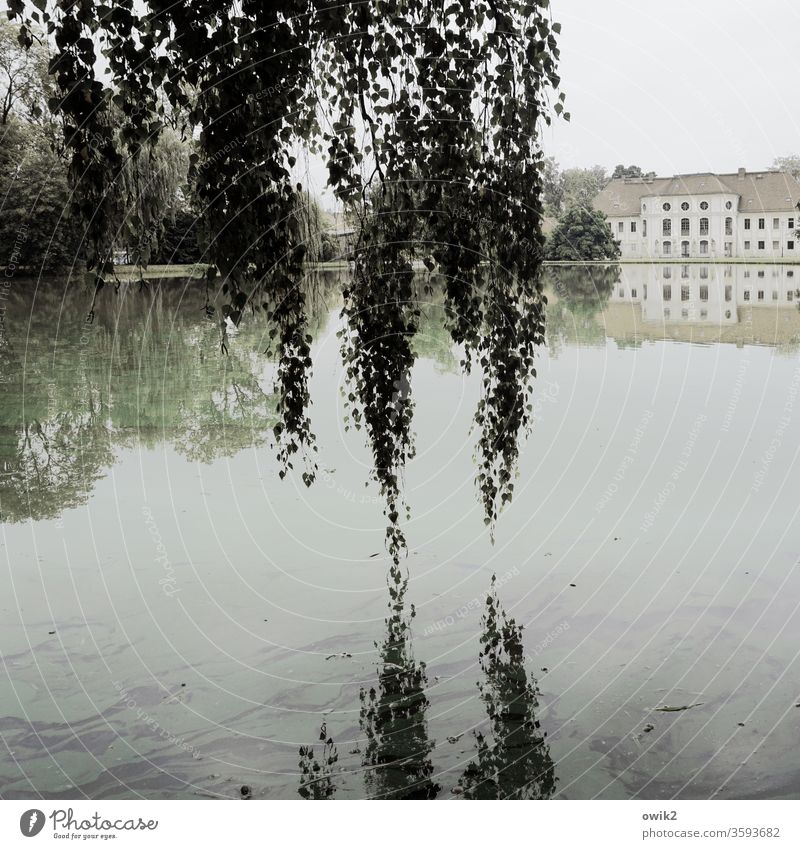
point(758, 191)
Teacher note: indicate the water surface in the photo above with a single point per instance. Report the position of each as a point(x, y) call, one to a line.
point(178, 622)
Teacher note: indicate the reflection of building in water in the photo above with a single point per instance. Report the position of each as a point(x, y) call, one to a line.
point(704, 215)
point(738, 303)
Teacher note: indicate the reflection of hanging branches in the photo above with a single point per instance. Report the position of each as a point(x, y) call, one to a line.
point(513, 761)
point(316, 776)
point(393, 714)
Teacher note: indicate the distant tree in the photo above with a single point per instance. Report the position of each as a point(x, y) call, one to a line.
point(23, 76)
point(582, 185)
point(552, 187)
point(790, 164)
point(622, 171)
point(37, 230)
point(582, 234)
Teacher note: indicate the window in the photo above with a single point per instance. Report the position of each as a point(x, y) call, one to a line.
point(704, 205)
point(620, 227)
point(703, 247)
point(762, 245)
point(704, 293)
point(644, 207)
point(666, 227)
point(667, 292)
point(621, 292)
point(633, 293)
point(728, 226)
point(684, 272)
point(684, 293)
point(790, 296)
point(747, 224)
point(790, 223)
point(776, 246)
point(729, 205)
point(790, 273)
point(666, 207)
point(747, 294)
point(633, 226)
point(760, 294)
point(684, 249)
point(761, 274)
point(747, 272)
point(790, 245)
point(774, 294)
point(762, 223)
point(704, 273)
point(644, 229)
point(685, 227)
point(685, 206)
point(703, 226)
point(703, 315)
point(644, 291)
point(727, 313)
point(728, 293)
point(776, 223)
point(667, 272)
point(747, 246)
point(667, 249)
point(666, 313)
point(684, 313)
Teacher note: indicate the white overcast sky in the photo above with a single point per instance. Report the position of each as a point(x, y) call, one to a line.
point(678, 86)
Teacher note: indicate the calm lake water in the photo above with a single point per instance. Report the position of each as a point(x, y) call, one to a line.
point(178, 622)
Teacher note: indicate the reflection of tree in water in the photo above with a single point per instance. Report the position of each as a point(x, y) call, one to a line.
point(76, 392)
point(433, 341)
point(398, 748)
point(576, 294)
point(512, 759)
point(316, 774)
point(53, 465)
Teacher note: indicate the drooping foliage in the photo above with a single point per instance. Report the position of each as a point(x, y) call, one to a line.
point(429, 110)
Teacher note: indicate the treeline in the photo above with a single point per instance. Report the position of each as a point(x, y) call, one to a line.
point(40, 231)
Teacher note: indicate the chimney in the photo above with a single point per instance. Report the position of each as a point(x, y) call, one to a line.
point(742, 173)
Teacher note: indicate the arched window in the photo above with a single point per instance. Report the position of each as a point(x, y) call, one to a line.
point(684, 227)
point(704, 247)
point(667, 248)
point(666, 229)
point(684, 249)
point(703, 226)
point(728, 226)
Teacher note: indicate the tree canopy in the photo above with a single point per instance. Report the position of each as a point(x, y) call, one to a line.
point(437, 105)
point(622, 171)
point(582, 234)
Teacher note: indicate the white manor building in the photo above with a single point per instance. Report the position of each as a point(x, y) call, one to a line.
point(705, 216)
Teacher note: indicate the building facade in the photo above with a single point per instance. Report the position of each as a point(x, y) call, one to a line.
point(752, 215)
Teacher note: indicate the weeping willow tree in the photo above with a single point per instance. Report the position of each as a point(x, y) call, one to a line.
point(431, 110)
